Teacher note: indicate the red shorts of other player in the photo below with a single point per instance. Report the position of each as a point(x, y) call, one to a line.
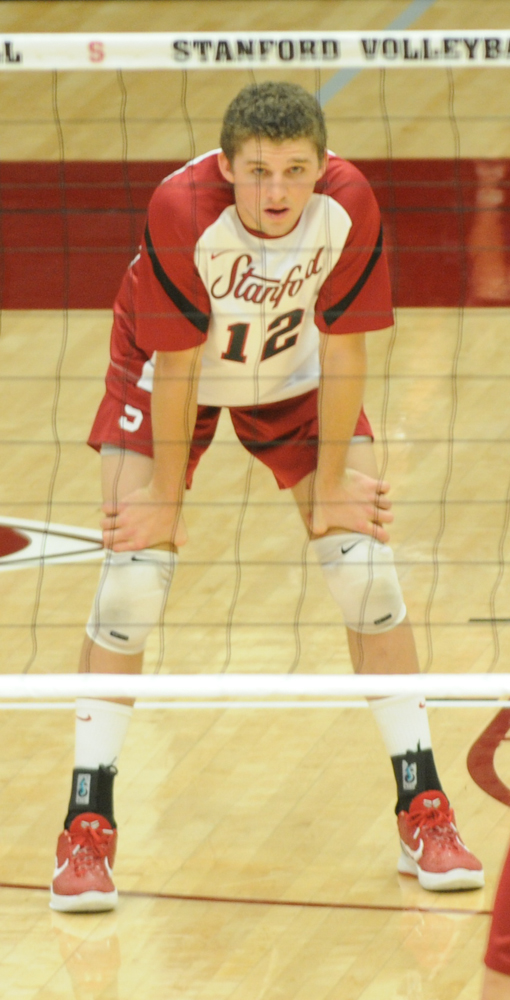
point(282, 435)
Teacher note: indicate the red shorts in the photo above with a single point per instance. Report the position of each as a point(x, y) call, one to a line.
point(282, 435)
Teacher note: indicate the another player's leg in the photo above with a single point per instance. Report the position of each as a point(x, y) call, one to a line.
point(496, 986)
point(497, 958)
point(362, 578)
point(129, 601)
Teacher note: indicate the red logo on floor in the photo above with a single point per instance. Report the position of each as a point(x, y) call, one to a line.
point(480, 759)
point(25, 543)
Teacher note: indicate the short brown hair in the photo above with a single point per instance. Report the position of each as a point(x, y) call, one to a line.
point(275, 111)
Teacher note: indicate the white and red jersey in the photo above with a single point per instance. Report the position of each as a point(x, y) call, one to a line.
point(257, 302)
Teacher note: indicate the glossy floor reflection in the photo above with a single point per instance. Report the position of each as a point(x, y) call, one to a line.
point(168, 949)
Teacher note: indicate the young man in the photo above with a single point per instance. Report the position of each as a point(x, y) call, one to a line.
point(262, 266)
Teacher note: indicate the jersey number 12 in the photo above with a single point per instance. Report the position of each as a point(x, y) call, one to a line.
point(281, 326)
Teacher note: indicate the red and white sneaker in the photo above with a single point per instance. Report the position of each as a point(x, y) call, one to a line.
point(431, 848)
point(82, 880)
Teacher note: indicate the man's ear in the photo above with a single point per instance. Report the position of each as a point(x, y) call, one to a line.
point(224, 166)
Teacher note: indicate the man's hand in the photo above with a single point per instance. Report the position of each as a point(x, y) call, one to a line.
point(141, 520)
point(356, 503)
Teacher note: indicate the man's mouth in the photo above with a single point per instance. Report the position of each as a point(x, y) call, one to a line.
point(276, 213)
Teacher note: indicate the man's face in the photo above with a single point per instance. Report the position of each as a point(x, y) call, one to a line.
point(272, 182)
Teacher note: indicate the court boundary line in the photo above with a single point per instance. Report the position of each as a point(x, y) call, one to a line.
point(342, 77)
point(253, 901)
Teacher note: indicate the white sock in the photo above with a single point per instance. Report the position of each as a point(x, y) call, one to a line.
point(403, 723)
point(101, 728)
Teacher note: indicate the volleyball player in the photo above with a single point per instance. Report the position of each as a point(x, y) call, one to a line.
point(262, 268)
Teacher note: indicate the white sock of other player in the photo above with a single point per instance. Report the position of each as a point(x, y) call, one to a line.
point(404, 726)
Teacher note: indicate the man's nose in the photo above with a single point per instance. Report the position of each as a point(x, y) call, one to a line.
point(277, 189)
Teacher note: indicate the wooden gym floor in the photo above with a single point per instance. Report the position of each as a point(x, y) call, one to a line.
point(257, 848)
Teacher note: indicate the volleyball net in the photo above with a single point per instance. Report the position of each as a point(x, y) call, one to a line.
point(90, 125)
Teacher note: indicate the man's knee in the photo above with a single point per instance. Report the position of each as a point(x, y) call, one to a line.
point(130, 599)
point(362, 578)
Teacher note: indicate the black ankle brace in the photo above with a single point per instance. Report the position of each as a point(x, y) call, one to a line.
point(92, 791)
point(415, 772)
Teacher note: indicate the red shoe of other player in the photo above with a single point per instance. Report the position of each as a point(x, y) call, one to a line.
point(432, 849)
point(82, 881)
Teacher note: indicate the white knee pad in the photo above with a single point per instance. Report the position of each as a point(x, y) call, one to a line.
point(130, 598)
point(362, 578)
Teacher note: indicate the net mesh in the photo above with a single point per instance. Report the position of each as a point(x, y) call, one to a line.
point(78, 169)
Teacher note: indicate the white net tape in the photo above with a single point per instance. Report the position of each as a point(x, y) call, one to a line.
point(253, 685)
point(254, 50)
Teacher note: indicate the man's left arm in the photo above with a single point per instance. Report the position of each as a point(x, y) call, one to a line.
point(344, 498)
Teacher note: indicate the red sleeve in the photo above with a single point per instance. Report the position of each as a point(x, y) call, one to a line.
point(356, 296)
point(498, 949)
point(172, 304)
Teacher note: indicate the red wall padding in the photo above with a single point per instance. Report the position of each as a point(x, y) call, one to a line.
point(68, 232)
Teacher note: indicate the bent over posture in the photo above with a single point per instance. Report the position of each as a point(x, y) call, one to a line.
point(261, 268)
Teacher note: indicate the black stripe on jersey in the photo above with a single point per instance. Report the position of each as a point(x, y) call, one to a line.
point(334, 312)
point(199, 319)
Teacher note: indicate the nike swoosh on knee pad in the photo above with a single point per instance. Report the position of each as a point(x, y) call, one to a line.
point(346, 550)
